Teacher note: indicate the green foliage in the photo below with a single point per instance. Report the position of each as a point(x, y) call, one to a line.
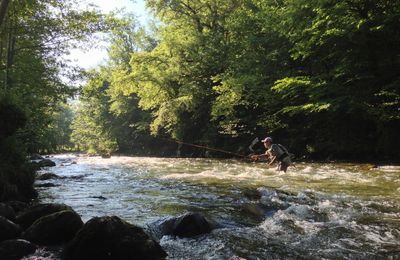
point(11, 118)
point(320, 76)
point(91, 126)
point(34, 37)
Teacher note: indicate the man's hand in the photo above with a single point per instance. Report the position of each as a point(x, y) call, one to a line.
point(254, 157)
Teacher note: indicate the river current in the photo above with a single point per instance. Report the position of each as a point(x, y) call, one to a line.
point(314, 211)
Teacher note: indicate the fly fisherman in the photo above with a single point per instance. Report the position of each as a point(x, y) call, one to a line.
point(274, 152)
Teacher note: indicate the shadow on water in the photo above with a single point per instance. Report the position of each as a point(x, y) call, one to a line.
point(333, 211)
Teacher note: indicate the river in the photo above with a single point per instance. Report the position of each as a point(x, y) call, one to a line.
point(314, 211)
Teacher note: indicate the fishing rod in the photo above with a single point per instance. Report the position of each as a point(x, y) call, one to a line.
point(205, 147)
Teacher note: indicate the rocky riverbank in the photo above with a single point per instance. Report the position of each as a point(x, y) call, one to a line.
point(56, 231)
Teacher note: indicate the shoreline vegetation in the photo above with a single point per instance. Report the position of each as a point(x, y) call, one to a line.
point(320, 77)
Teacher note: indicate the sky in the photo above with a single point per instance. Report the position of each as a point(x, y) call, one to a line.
point(94, 57)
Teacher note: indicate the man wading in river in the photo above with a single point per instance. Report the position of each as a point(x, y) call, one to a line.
point(274, 152)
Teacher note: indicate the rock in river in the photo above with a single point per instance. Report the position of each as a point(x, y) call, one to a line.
point(47, 163)
point(30, 215)
point(54, 229)
point(16, 249)
point(112, 238)
point(47, 176)
point(7, 211)
point(187, 225)
point(8, 229)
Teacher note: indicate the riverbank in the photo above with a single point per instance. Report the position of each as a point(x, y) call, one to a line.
point(32, 230)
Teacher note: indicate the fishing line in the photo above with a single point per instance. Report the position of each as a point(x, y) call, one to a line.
point(205, 147)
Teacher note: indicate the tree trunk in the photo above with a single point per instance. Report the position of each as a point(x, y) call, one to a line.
point(3, 9)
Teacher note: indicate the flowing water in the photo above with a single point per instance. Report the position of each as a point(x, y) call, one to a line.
point(314, 211)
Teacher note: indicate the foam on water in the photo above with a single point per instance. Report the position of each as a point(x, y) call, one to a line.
point(313, 211)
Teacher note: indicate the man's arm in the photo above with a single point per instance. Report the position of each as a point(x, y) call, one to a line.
point(256, 157)
point(272, 160)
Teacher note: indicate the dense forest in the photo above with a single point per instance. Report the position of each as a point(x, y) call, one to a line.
point(321, 77)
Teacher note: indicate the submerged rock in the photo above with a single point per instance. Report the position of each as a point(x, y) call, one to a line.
point(8, 229)
point(54, 229)
point(47, 176)
point(46, 185)
point(47, 163)
point(252, 194)
point(16, 249)
point(255, 209)
point(30, 215)
point(98, 197)
point(187, 225)
point(112, 238)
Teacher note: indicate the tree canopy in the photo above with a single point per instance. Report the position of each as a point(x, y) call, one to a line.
point(320, 76)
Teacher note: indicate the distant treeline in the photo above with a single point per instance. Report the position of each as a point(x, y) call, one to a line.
point(322, 77)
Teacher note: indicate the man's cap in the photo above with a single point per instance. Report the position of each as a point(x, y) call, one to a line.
point(267, 139)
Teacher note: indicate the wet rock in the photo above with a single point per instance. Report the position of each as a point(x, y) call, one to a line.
point(17, 206)
point(16, 249)
point(112, 238)
point(235, 257)
point(161, 227)
point(293, 227)
point(252, 194)
point(7, 211)
point(30, 215)
point(99, 197)
point(307, 213)
point(106, 156)
point(35, 166)
point(47, 176)
point(46, 185)
point(395, 233)
point(78, 177)
point(8, 229)
point(54, 229)
point(254, 209)
point(47, 163)
point(188, 225)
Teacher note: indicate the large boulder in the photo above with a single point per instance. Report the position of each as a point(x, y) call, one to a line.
point(30, 215)
point(190, 225)
point(7, 211)
point(47, 163)
point(112, 238)
point(187, 225)
point(54, 229)
point(17, 206)
point(8, 229)
point(16, 249)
